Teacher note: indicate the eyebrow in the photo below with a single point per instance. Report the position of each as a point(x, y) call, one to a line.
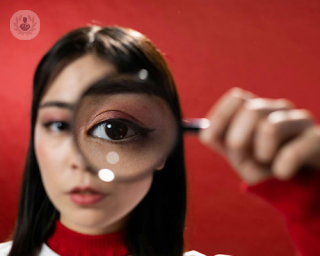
point(58, 104)
point(124, 84)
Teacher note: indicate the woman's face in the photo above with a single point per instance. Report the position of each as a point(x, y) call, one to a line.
point(63, 168)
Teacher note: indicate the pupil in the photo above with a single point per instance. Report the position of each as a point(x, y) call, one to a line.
point(116, 130)
point(60, 125)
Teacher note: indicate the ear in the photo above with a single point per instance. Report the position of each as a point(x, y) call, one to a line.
point(161, 165)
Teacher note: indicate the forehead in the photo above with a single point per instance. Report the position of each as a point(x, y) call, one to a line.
point(76, 77)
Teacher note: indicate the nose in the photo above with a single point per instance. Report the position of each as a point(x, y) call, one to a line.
point(77, 161)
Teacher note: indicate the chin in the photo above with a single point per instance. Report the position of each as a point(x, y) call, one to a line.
point(93, 221)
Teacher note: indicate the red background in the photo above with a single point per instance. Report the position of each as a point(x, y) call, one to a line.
point(268, 47)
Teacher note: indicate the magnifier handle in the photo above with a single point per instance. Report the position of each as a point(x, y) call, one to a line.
point(194, 124)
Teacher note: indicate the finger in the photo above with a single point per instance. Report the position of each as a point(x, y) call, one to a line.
point(276, 129)
point(303, 151)
point(220, 115)
point(249, 170)
point(240, 134)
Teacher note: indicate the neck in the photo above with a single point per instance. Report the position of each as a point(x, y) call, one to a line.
point(65, 241)
point(115, 227)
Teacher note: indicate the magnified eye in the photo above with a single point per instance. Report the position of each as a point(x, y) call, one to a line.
point(113, 130)
point(118, 129)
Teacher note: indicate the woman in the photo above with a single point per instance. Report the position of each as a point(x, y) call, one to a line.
point(145, 216)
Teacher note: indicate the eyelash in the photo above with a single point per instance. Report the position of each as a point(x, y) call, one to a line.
point(140, 132)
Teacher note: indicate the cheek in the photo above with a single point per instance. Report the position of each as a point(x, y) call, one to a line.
point(41, 150)
point(50, 158)
point(50, 150)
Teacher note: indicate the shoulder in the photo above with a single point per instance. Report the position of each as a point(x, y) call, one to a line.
point(45, 250)
point(5, 248)
point(195, 253)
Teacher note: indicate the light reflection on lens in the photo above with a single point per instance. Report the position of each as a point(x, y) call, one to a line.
point(106, 175)
point(143, 74)
point(113, 157)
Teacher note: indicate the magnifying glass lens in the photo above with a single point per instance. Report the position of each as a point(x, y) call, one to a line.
point(123, 128)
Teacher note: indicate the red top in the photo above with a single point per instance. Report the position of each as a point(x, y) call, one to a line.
point(70, 243)
point(299, 201)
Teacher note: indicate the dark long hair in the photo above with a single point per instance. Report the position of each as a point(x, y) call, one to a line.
point(156, 225)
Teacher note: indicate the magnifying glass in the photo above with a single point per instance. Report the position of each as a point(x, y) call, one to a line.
point(124, 129)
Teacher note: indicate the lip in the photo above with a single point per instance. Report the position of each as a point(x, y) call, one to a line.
point(85, 196)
